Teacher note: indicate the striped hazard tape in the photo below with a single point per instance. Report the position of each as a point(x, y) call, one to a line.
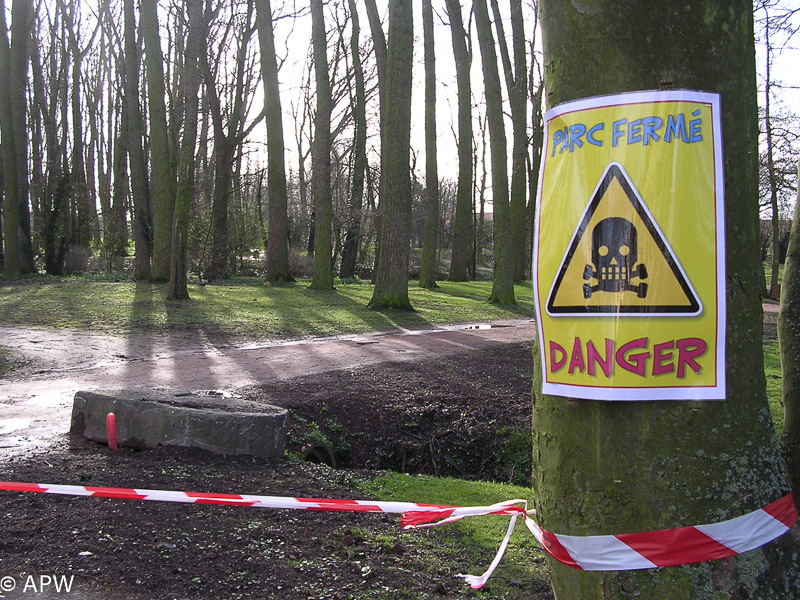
point(670, 547)
point(667, 547)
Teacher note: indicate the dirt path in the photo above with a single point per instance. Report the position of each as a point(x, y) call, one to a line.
point(36, 399)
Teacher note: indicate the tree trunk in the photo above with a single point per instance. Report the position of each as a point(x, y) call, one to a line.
point(463, 221)
point(503, 278)
point(379, 45)
point(427, 269)
point(117, 232)
point(16, 152)
point(180, 224)
point(12, 265)
point(223, 161)
point(162, 159)
point(391, 277)
point(2, 194)
point(611, 467)
point(773, 189)
point(789, 339)
point(516, 77)
point(352, 237)
point(322, 278)
point(277, 221)
point(537, 140)
point(142, 219)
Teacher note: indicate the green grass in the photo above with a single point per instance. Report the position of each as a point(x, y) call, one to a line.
point(768, 271)
point(6, 360)
point(477, 538)
point(245, 308)
point(772, 370)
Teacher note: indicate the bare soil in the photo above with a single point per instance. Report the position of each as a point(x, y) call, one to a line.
point(463, 416)
point(450, 411)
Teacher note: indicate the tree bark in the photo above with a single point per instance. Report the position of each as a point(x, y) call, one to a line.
point(322, 278)
point(178, 289)
point(353, 234)
point(789, 340)
point(12, 264)
point(516, 77)
point(142, 218)
point(463, 221)
point(427, 269)
point(503, 278)
point(611, 467)
point(277, 269)
point(18, 244)
point(391, 277)
point(162, 158)
point(226, 143)
point(380, 47)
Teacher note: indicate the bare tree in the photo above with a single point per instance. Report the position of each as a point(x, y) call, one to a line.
point(277, 269)
point(516, 77)
point(321, 154)
point(191, 86)
point(14, 58)
point(353, 233)
point(503, 278)
point(391, 277)
point(229, 135)
point(142, 217)
point(462, 227)
point(162, 156)
point(427, 270)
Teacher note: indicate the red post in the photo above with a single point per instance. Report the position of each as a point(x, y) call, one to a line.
point(111, 430)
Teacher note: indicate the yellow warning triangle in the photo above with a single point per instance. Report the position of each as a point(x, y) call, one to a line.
point(619, 262)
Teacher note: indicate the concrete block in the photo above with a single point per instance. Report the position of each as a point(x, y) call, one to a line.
point(147, 419)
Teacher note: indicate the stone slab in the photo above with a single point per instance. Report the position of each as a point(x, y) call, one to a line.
point(148, 419)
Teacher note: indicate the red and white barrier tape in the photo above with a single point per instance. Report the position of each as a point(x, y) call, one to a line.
point(668, 547)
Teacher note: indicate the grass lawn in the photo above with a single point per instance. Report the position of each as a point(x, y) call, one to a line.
point(247, 308)
point(772, 371)
point(479, 536)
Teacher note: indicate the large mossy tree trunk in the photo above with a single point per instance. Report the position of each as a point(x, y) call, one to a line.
point(789, 339)
point(391, 275)
point(615, 467)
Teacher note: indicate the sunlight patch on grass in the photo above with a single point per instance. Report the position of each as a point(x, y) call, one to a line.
point(245, 309)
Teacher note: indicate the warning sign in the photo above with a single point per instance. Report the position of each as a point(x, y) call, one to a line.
point(629, 248)
point(618, 260)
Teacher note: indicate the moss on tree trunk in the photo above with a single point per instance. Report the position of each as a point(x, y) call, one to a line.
point(789, 337)
point(615, 467)
point(391, 277)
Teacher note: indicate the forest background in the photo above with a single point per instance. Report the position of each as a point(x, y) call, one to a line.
point(100, 133)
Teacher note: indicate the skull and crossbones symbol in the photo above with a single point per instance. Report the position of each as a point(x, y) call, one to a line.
point(614, 256)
